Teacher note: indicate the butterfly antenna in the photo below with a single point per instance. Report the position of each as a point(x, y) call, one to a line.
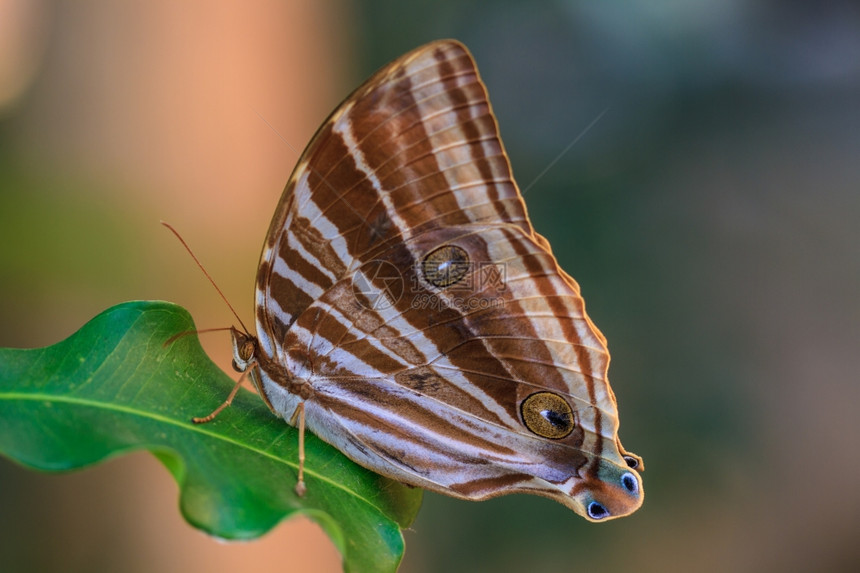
point(205, 272)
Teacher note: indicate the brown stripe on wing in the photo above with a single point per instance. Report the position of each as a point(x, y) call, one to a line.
point(351, 402)
point(505, 337)
point(276, 323)
point(472, 105)
point(583, 356)
point(537, 268)
point(307, 185)
point(456, 335)
point(443, 327)
point(354, 336)
point(593, 351)
point(390, 116)
point(432, 383)
point(346, 335)
point(341, 192)
point(427, 137)
point(487, 487)
point(301, 269)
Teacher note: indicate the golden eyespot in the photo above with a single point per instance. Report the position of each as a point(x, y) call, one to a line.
point(548, 415)
point(445, 266)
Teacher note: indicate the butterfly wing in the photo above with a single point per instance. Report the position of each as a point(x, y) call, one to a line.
point(402, 280)
point(430, 143)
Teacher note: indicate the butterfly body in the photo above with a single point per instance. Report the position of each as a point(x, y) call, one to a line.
point(406, 305)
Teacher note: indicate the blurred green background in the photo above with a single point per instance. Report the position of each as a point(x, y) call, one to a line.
point(711, 217)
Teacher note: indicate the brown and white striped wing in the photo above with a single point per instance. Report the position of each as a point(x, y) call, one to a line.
point(402, 281)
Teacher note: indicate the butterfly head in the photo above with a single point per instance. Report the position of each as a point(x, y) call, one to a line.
point(614, 491)
point(246, 360)
point(244, 350)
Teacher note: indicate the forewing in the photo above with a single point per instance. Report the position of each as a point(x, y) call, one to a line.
point(415, 146)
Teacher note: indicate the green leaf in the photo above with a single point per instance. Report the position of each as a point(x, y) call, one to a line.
point(113, 387)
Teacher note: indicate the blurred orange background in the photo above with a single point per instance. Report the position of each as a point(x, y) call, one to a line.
point(712, 218)
point(119, 115)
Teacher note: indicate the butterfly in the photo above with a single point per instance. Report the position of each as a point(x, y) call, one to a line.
point(408, 313)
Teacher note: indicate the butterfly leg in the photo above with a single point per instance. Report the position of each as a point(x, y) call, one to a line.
point(301, 488)
point(226, 403)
